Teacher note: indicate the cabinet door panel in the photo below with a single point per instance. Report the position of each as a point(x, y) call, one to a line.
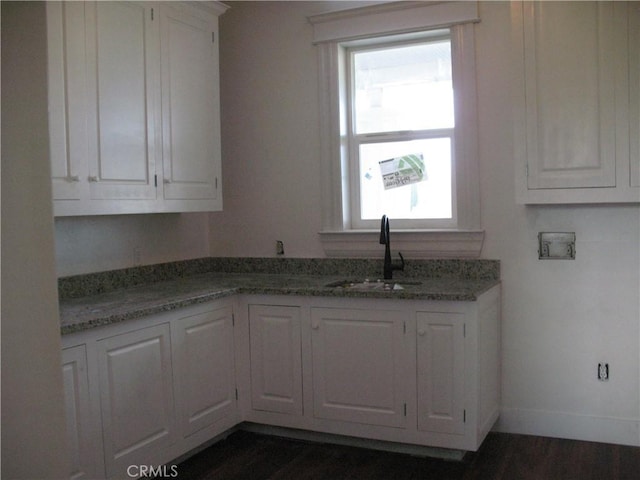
point(82, 443)
point(136, 396)
point(67, 98)
point(570, 92)
point(120, 38)
point(190, 105)
point(440, 358)
point(357, 365)
point(276, 361)
point(205, 364)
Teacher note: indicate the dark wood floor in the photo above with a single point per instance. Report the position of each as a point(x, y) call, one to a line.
point(251, 456)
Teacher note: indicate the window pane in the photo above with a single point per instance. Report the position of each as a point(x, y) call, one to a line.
point(427, 199)
point(403, 88)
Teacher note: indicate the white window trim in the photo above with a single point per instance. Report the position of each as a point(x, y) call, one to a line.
point(331, 31)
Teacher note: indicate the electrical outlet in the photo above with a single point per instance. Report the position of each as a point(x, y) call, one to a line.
point(603, 372)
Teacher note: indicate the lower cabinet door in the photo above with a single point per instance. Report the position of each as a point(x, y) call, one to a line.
point(440, 369)
point(357, 365)
point(204, 361)
point(84, 453)
point(136, 398)
point(276, 359)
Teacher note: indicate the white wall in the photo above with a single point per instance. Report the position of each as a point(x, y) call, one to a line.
point(96, 244)
point(33, 424)
point(560, 318)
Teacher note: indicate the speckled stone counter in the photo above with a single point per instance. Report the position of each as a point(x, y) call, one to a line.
point(88, 301)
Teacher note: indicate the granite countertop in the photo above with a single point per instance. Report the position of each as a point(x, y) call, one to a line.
point(87, 312)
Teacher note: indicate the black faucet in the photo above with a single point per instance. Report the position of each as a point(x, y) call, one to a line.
point(389, 267)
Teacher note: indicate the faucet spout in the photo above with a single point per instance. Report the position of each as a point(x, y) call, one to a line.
point(385, 240)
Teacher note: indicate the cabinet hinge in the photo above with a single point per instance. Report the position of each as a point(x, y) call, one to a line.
point(405, 409)
point(233, 319)
point(404, 327)
point(464, 416)
point(236, 394)
point(213, 37)
point(152, 14)
point(464, 330)
point(216, 182)
point(155, 181)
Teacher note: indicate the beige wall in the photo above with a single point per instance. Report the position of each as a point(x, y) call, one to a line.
point(560, 318)
point(33, 427)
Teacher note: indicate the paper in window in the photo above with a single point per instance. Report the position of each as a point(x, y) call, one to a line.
point(401, 171)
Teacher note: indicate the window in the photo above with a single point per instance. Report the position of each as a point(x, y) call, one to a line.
point(400, 132)
point(397, 91)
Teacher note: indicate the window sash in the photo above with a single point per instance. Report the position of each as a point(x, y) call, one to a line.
point(355, 141)
point(356, 220)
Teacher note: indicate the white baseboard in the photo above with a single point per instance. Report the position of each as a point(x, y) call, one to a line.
point(623, 431)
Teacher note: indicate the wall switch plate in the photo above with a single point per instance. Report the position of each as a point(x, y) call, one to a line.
point(556, 245)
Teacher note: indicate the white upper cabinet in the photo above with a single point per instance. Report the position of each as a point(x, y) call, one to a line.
point(190, 105)
point(67, 126)
point(574, 102)
point(120, 70)
point(134, 107)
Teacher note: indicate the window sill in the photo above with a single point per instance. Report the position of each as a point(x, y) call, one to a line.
point(411, 243)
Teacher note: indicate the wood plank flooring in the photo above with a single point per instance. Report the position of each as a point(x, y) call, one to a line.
point(251, 456)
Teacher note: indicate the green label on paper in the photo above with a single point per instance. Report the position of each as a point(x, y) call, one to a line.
point(405, 170)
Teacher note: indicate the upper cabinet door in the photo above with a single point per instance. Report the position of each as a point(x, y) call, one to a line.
point(570, 87)
point(190, 105)
point(575, 103)
point(67, 98)
point(121, 37)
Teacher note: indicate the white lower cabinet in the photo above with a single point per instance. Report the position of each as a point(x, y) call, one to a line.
point(440, 372)
point(276, 359)
point(82, 430)
point(146, 391)
point(357, 365)
point(204, 368)
point(143, 392)
point(416, 372)
point(136, 393)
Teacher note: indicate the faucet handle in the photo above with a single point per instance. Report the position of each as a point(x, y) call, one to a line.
point(401, 266)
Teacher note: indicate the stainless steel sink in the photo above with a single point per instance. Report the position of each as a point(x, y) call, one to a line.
point(370, 285)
